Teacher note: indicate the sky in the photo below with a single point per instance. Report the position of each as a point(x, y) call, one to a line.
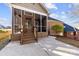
point(66, 12)
point(5, 14)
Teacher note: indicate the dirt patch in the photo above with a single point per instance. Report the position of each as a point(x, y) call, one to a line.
point(68, 41)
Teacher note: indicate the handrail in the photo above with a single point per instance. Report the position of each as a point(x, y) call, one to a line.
point(35, 33)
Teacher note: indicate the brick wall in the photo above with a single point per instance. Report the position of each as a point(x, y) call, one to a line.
point(52, 23)
point(77, 35)
point(56, 33)
point(70, 35)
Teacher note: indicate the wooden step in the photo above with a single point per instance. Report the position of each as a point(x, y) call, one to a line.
point(28, 41)
point(30, 38)
point(28, 34)
point(27, 38)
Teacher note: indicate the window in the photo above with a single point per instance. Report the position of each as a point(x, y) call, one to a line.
point(40, 23)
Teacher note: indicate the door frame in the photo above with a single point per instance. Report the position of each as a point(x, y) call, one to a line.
point(26, 19)
point(23, 18)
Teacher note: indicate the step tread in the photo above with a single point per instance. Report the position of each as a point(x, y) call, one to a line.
point(30, 41)
point(27, 37)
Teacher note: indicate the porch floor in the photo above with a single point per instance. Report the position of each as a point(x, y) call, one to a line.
point(47, 46)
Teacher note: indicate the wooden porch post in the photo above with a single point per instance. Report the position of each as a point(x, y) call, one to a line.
point(35, 28)
point(22, 17)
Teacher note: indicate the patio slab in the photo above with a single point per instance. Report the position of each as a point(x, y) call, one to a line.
point(47, 46)
point(55, 47)
point(15, 49)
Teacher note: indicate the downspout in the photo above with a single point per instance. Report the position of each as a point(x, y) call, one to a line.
point(74, 33)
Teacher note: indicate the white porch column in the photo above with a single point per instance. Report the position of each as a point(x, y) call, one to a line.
point(41, 23)
point(13, 21)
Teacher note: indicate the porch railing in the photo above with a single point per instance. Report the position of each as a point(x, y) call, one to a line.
point(35, 33)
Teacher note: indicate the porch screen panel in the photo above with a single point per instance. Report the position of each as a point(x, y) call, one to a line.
point(40, 21)
point(44, 23)
point(17, 23)
point(37, 22)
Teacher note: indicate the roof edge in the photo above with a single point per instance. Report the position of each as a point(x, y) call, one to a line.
point(42, 4)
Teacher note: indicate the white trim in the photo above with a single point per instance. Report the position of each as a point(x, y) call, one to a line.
point(13, 21)
point(47, 24)
point(42, 4)
point(29, 10)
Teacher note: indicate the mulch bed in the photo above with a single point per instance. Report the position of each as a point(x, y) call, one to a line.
point(68, 41)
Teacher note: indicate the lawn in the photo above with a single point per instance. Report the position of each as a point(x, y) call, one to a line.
point(68, 41)
point(4, 35)
point(4, 38)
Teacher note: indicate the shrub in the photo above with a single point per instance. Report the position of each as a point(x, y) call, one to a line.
point(57, 28)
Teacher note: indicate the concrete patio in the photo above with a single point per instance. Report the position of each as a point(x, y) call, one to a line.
point(47, 46)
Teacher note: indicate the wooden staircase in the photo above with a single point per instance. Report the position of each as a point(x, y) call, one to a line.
point(27, 38)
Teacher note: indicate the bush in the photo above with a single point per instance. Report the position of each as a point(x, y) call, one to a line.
point(57, 28)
